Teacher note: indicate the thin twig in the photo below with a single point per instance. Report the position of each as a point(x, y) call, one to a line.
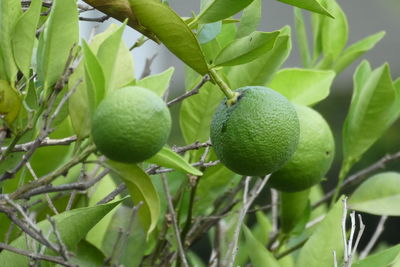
point(46, 142)
point(359, 235)
point(33, 255)
point(147, 66)
point(194, 91)
point(63, 251)
point(344, 235)
point(174, 221)
point(99, 19)
point(378, 231)
point(113, 194)
point(195, 146)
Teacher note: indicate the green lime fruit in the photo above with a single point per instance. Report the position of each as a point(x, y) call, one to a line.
point(313, 156)
point(257, 134)
point(131, 125)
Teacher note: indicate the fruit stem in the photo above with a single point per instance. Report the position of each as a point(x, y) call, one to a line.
point(230, 95)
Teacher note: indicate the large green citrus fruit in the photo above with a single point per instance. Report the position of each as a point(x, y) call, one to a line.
point(131, 125)
point(257, 134)
point(313, 156)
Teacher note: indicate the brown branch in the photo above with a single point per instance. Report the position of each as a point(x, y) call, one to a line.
point(46, 142)
point(195, 146)
point(194, 91)
point(99, 19)
point(36, 256)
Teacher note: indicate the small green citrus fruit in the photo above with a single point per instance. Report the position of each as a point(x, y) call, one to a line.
point(131, 125)
point(313, 156)
point(257, 134)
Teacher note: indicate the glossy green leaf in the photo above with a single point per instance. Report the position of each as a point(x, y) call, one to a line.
point(311, 5)
point(327, 237)
point(24, 36)
point(246, 49)
point(168, 158)
point(354, 51)
point(107, 55)
point(10, 10)
point(373, 109)
point(72, 225)
point(316, 26)
point(94, 77)
point(61, 33)
point(259, 71)
point(141, 189)
point(378, 195)
point(158, 83)
point(385, 258)
point(208, 32)
point(172, 31)
point(220, 9)
point(259, 255)
point(303, 86)
point(302, 38)
point(250, 19)
point(334, 31)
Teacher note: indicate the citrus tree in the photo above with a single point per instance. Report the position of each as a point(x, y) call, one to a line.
point(87, 175)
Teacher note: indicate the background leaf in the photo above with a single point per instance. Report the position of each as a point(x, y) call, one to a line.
point(168, 158)
point(221, 9)
point(24, 36)
point(72, 226)
point(311, 5)
point(327, 237)
point(259, 255)
point(158, 83)
point(250, 19)
point(373, 109)
point(208, 32)
point(141, 189)
point(303, 86)
point(378, 195)
point(385, 258)
point(172, 31)
point(246, 49)
point(60, 34)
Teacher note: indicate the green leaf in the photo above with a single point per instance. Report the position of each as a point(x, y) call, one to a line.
point(96, 235)
point(293, 206)
point(72, 225)
point(221, 9)
point(10, 101)
point(259, 255)
point(302, 39)
point(141, 189)
point(250, 19)
point(303, 86)
point(247, 48)
point(318, 250)
point(208, 32)
point(158, 83)
point(259, 71)
point(334, 31)
point(172, 31)
point(378, 195)
point(197, 111)
point(373, 109)
point(168, 158)
point(24, 36)
point(107, 55)
point(385, 258)
point(10, 10)
point(311, 5)
point(356, 50)
point(60, 34)
point(94, 77)
point(87, 255)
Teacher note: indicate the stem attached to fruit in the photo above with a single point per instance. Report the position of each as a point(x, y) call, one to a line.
point(230, 95)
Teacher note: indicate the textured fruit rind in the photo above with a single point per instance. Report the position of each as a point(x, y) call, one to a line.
point(313, 156)
point(256, 135)
point(131, 125)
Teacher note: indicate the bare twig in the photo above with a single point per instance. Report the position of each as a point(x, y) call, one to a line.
point(378, 231)
point(195, 146)
point(112, 195)
point(63, 251)
point(35, 256)
point(46, 142)
point(344, 235)
point(335, 259)
point(147, 66)
point(194, 91)
point(174, 221)
point(360, 233)
point(99, 19)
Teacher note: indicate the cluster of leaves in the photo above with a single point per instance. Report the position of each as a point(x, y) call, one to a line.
point(50, 86)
